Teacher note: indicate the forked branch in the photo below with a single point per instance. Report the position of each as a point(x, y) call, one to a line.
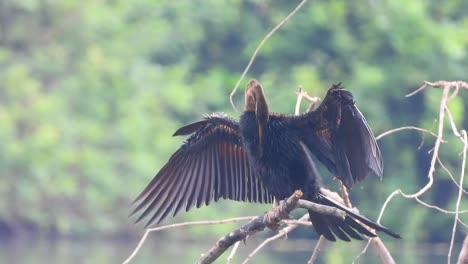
point(271, 219)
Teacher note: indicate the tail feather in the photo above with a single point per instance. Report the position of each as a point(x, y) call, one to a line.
point(321, 226)
point(351, 232)
point(336, 227)
point(330, 226)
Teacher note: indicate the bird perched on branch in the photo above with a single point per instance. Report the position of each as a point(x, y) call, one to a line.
point(268, 155)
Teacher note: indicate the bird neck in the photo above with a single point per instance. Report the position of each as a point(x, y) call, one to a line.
point(250, 132)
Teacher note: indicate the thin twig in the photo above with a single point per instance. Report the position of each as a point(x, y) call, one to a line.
point(382, 251)
point(438, 208)
point(457, 206)
point(391, 131)
point(442, 110)
point(435, 154)
point(379, 246)
point(283, 232)
point(300, 93)
point(214, 222)
point(442, 84)
point(463, 224)
point(454, 94)
point(451, 175)
point(453, 126)
point(233, 252)
point(254, 55)
point(463, 257)
point(430, 174)
point(316, 251)
point(364, 250)
point(424, 86)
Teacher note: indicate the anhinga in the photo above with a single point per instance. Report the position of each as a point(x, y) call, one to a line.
point(266, 156)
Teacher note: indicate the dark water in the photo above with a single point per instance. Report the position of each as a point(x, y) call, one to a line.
point(175, 250)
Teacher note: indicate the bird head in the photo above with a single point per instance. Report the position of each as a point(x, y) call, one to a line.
point(255, 102)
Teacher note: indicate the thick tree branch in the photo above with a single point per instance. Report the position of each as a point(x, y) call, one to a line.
point(270, 219)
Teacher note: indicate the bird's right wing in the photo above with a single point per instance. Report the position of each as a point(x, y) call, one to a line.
point(211, 164)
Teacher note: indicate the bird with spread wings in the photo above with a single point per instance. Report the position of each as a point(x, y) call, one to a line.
point(268, 155)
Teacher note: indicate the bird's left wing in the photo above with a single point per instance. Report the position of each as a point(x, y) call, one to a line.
point(338, 134)
point(211, 164)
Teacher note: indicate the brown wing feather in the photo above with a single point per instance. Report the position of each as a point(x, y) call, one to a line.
point(211, 164)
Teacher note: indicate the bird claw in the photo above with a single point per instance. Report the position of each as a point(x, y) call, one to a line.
point(273, 218)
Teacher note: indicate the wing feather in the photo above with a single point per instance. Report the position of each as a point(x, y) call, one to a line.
point(339, 136)
point(185, 186)
point(211, 164)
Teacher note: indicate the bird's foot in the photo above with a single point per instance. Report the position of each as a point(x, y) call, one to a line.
point(273, 218)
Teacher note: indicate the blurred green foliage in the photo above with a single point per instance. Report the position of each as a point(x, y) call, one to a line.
point(91, 91)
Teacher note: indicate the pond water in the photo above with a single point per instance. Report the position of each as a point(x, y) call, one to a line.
point(173, 250)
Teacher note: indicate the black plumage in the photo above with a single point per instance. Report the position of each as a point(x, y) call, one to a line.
point(268, 155)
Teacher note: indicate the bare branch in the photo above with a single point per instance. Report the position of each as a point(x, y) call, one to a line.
point(442, 84)
point(391, 131)
point(381, 250)
point(451, 176)
point(233, 252)
point(457, 206)
point(379, 246)
point(435, 154)
point(254, 55)
point(463, 257)
point(451, 84)
point(216, 222)
point(364, 250)
point(323, 209)
point(438, 208)
point(300, 93)
point(270, 219)
point(282, 233)
point(424, 86)
point(317, 248)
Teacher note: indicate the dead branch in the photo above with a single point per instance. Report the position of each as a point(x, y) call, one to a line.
point(269, 219)
point(143, 238)
point(282, 233)
point(460, 193)
point(233, 252)
point(463, 257)
point(382, 251)
point(441, 84)
point(317, 249)
point(379, 246)
point(443, 109)
point(391, 131)
point(254, 55)
point(451, 175)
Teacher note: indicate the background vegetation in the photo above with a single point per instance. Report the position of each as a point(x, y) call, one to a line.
point(90, 92)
